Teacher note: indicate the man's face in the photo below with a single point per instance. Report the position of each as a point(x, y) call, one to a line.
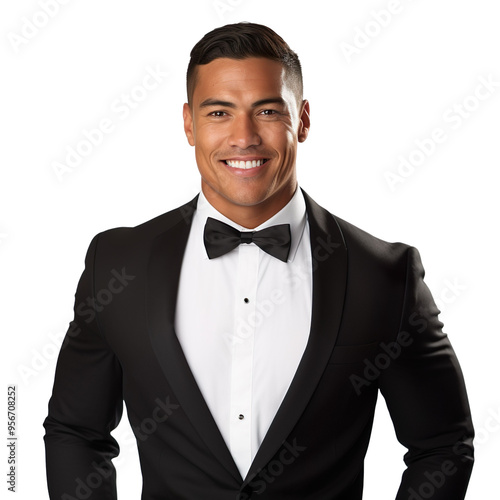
point(245, 123)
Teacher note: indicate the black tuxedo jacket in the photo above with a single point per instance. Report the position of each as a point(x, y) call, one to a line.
point(374, 327)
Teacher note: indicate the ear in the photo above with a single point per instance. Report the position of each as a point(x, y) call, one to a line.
point(188, 123)
point(305, 122)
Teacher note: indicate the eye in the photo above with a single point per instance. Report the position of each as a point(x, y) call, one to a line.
point(217, 114)
point(269, 112)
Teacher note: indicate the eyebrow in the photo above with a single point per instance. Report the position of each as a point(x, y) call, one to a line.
point(227, 104)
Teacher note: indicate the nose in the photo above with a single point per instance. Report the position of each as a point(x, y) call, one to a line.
point(244, 133)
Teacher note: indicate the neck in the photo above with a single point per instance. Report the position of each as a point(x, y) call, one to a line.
point(249, 216)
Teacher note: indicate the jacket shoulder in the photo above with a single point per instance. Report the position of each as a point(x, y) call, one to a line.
point(371, 247)
point(359, 243)
point(146, 232)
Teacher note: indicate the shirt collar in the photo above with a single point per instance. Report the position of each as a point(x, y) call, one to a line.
point(293, 213)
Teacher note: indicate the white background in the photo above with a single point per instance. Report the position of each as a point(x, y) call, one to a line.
point(367, 110)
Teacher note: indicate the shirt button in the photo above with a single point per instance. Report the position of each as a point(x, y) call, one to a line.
point(241, 417)
point(246, 301)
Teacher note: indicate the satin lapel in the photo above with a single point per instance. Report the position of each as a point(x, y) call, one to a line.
point(163, 277)
point(329, 255)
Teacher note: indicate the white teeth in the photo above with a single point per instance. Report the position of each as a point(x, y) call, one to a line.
point(245, 164)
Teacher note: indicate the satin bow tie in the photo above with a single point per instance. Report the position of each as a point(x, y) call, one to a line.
point(220, 238)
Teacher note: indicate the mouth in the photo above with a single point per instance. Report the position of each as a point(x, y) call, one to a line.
point(246, 164)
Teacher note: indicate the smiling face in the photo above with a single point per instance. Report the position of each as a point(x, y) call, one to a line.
point(245, 123)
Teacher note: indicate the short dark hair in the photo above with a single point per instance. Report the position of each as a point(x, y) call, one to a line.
point(242, 40)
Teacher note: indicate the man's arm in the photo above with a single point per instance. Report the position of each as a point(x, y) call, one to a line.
point(427, 400)
point(86, 405)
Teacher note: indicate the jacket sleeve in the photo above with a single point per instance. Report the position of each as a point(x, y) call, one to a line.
point(425, 393)
point(86, 404)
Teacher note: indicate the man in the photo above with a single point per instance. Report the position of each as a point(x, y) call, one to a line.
point(249, 331)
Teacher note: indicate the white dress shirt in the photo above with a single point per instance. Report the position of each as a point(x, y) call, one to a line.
point(243, 322)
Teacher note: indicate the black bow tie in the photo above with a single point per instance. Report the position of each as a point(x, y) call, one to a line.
point(220, 238)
